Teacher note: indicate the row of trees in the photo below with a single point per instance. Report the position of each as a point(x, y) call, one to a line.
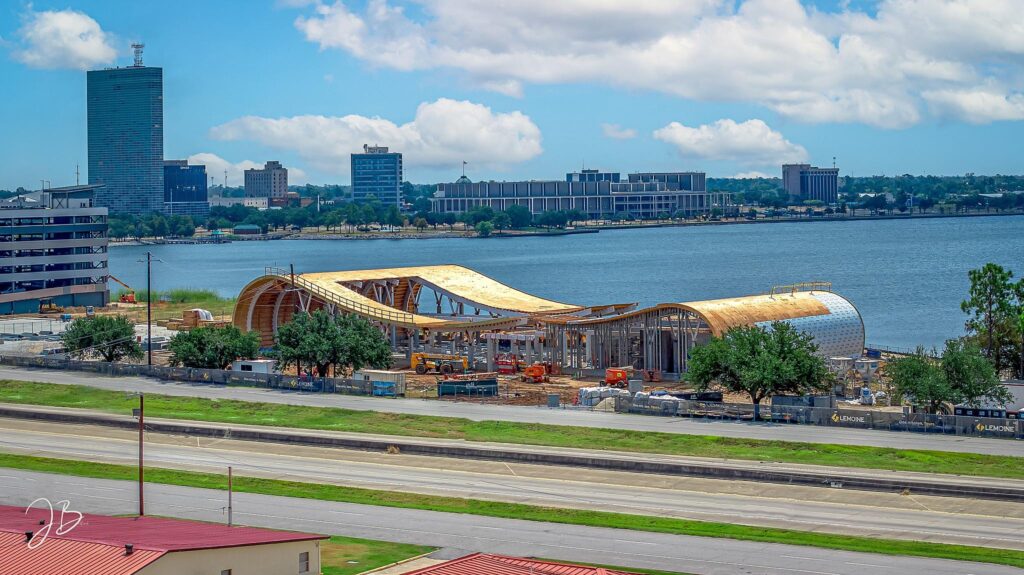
point(319, 343)
point(153, 225)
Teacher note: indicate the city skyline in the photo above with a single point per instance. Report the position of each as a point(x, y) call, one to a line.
point(441, 94)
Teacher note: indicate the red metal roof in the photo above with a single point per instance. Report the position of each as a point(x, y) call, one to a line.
point(67, 557)
point(153, 533)
point(487, 564)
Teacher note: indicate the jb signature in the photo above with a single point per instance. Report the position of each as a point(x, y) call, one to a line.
point(69, 519)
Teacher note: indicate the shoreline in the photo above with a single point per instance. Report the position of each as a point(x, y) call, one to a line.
point(355, 236)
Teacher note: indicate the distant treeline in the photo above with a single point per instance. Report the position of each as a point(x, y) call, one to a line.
point(937, 188)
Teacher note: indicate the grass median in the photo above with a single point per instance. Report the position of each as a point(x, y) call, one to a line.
point(349, 555)
point(347, 420)
point(676, 526)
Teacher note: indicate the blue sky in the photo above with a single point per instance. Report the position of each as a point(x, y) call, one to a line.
point(530, 89)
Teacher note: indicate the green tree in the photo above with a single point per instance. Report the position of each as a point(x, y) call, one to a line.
point(971, 376)
point(759, 361)
point(420, 224)
point(990, 306)
point(484, 229)
point(319, 341)
point(919, 379)
point(111, 337)
point(501, 221)
point(158, 226)
point(370, 215)
point(393, 217)
point(962, 376)
point(519, 216)
point(575, 216)
point(213, 347)
point(449, 219)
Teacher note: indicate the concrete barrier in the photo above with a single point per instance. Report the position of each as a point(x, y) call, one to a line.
point(981, 488)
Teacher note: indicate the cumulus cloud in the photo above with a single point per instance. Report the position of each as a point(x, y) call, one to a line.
point(978, 106)
point(62, 39)
point(867, 66)
point(216, 166)
point(617, 132)
point(748, 143)
point(443, 133)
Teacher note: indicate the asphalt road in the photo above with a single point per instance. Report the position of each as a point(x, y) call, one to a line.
point(813, 434)
point(939, 519)
point(473, 533)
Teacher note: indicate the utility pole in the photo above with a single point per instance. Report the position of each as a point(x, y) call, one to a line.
point(76, 174)
point(142, 426)
point(229, 496)
point(149, 317)
point(149, 304)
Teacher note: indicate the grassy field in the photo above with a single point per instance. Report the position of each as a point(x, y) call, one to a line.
point(176, 301)
point(516, 510)
point(348, 555)
point(231, 411)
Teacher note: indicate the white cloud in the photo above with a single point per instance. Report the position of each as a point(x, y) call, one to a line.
point(216, 165)
point(846, 66)
point(748, 143)
point(63, 39)
point(443, 133)
point(617, 132)
point(978, 106)
point(751, 175)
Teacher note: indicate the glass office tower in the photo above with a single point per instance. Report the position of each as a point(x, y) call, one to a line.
point(377, 173)
point(126, 138)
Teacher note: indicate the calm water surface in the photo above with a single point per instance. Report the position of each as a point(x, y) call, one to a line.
point(906, 277)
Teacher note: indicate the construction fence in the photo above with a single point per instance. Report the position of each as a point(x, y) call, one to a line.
point(197, 375)
point(827, 417)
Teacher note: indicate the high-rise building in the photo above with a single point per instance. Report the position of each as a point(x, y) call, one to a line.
point(377, 173)
point(269, 182)
point(126, 137)
point(807, 182)
point(185, 189)
point(53, 249)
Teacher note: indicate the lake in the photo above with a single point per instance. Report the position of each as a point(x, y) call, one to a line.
point(907, 278)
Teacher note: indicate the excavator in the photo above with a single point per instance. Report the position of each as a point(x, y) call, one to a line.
point(128, 296)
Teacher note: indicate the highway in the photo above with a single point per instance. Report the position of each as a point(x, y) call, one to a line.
point(470, 533)
point(846, 436)
point(938, 519)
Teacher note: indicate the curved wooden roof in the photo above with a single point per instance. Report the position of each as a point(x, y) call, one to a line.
point(460, 282)
point(723, 314)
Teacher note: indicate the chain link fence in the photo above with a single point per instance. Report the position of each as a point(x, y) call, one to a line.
point(827, 417)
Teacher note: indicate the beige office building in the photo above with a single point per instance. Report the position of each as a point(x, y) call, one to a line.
point(270, 182)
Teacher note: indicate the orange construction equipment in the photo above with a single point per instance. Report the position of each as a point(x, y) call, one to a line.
point(617, 376)
point(129, 296)
point(536, 373)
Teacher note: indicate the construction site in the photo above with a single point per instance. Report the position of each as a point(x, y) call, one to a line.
point(452, 323)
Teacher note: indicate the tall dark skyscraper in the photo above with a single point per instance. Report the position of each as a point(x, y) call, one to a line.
point(126, 137)
point(378, 173)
